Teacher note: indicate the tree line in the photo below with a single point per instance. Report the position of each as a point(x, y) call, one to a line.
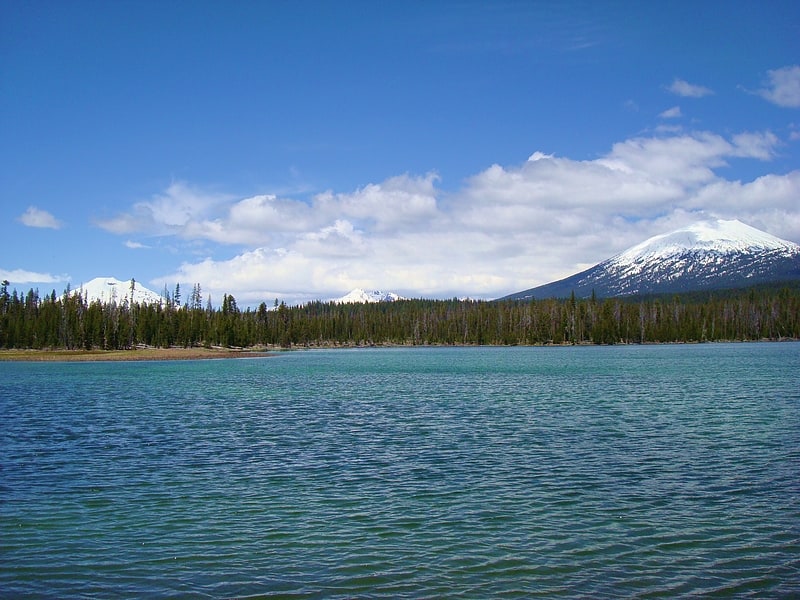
point(69, 321)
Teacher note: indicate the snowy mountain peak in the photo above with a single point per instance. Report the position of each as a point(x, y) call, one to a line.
point(359, 295)
point(719, 236)
point(706, 255)
point(108, 289)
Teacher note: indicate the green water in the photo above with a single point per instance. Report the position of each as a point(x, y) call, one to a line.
point(602, 472)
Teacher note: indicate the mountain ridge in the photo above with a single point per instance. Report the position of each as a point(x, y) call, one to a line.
point(705, 255)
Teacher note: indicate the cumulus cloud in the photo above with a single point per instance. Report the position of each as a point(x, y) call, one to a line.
point(769, 202)
point(507, 228)
point(400, 202)
point(36, 217)
point(23, 276)
point(688, 90)
point(783, 87)
point(737, 196)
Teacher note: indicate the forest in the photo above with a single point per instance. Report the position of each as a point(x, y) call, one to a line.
point(68, 321)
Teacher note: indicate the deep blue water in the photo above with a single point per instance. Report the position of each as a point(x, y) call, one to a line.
point(604, 472)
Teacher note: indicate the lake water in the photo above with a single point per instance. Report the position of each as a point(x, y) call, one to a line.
point(604, 472)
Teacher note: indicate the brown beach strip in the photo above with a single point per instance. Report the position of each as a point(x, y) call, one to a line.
point(133, 354)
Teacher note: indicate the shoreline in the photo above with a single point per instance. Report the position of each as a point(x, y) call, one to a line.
point(134, 354)
point(216, 353)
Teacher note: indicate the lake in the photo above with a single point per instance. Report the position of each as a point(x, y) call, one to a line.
point(604, 472)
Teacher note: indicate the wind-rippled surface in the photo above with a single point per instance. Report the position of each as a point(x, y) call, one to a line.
point(655, 471)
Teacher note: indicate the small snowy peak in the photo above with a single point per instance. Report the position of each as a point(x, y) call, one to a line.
point(721, 237)
point(109, 289)
point(362, 296)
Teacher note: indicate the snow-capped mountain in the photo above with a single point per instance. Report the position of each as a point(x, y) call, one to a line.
point(107, 289)
point(359, 295)
point(703, 256)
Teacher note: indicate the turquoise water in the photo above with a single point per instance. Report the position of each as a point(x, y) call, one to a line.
point(604, 472)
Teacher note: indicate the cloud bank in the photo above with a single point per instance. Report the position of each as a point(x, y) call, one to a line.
point(506, 228)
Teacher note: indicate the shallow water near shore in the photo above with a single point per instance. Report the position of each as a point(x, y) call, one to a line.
point(635, 471)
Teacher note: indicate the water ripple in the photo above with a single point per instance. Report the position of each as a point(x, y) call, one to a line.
point(471, 473)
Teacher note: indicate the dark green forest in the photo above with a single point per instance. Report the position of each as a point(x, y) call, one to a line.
point(68, 321)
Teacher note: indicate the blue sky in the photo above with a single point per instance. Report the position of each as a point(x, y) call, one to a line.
point(297, 150)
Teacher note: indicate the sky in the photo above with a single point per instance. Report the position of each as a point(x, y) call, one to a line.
point(298, 150)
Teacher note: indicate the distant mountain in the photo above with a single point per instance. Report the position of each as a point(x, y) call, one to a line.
point(106, 289)
point(704, 256)
point(359, 295)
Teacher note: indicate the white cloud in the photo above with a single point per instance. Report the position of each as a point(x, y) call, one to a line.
point(23, 276)
point(397, 203)
point(769, 202)
point(671, 113)
point(679, 161)
point(764, 195)
point(688, 90)
point(135, 245)
point(338, 240)
point(783, 87)
point(36, 217)
point(170, 213)
point(508, 228)
point(755, 145)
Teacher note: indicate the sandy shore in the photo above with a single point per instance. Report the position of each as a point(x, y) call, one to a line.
point(134, 354)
